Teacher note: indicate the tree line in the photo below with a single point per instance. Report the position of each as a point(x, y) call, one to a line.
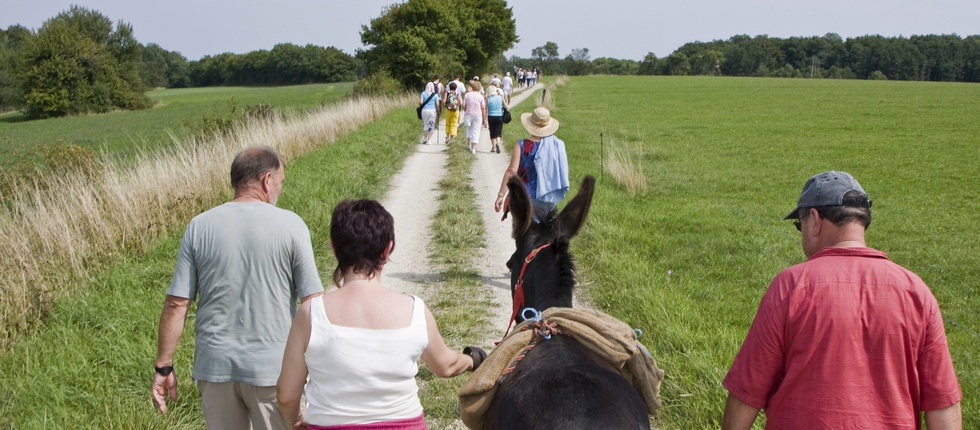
point(79, 62)
point(948, 58)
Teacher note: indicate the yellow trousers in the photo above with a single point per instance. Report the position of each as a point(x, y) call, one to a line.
point(452, 121)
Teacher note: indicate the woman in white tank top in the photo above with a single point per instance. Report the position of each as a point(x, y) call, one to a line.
point(360, 344)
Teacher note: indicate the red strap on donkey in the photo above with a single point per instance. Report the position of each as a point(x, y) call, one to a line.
point(519, 288)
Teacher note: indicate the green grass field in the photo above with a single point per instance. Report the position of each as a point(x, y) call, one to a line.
point(125, 134)
point(88, 365)
point(686, 261)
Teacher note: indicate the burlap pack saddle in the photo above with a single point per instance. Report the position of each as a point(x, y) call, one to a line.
point(607, 337)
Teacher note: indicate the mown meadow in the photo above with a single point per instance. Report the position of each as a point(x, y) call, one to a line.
point(686, 254)
point(686, 231)
point(177, 112)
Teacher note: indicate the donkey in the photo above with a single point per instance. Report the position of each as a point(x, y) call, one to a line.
point(558, 384)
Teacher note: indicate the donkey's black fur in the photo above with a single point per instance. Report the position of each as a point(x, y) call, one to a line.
point(559, 384)
point(550, 278)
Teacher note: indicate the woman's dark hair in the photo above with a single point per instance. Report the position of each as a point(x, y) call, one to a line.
point(856, 208)
point(250, 164)
point(360, 231)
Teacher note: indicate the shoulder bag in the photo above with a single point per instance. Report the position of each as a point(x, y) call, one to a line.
point(418, 110)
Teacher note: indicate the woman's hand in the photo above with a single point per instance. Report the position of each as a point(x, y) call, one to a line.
point(299, 424)
point(498, 205)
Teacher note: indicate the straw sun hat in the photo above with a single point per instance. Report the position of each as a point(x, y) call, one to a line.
point(539, 122)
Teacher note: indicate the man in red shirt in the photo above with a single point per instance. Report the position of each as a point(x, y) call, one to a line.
point(847, 339)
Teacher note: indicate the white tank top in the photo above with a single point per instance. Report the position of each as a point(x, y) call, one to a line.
point(360, 375)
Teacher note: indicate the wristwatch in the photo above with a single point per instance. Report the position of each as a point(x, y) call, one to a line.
point(165, 370)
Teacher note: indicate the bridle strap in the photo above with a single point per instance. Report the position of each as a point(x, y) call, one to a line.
point(519, 288)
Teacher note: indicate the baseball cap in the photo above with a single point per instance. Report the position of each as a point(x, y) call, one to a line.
point(828, 189)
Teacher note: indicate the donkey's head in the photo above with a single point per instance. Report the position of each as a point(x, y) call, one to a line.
point(549, 277)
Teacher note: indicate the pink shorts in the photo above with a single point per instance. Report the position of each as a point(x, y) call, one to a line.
point(417, 423)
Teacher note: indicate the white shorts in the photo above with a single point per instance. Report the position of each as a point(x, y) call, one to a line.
point(428, 119)
point(474, 125)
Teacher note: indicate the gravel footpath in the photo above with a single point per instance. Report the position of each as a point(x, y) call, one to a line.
point(412, 199)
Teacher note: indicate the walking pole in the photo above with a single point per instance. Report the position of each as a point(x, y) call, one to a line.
point(438, 114)
point(602, 160)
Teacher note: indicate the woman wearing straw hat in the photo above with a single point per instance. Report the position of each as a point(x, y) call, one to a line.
point(541, 163)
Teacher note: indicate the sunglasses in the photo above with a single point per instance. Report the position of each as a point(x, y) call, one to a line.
point(798, 225)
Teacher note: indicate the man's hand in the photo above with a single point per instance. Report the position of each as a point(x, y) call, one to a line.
point(162, 386)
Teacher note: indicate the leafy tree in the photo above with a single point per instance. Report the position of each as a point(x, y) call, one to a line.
point(613, 66)
point(11, 41)
point(547, 56)
point(155, 66)
point(285, 64)
point(545, 53)
point(420, 38)
point(707, 62)
point(206, 72)
point(943, 57)
point(578, 62)
point(677, 64)
point(650, 65)
point(177, 70)
point(331, 64)
point(78, 64)
point(971, 58)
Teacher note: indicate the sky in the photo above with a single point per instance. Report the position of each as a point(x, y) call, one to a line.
point(624, 29)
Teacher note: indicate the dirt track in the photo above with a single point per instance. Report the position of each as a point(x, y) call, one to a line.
point(409, 270)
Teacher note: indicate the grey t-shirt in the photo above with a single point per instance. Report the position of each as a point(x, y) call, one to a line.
point(246, 264)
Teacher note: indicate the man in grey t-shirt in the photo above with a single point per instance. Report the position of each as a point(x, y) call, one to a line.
point(247, 263)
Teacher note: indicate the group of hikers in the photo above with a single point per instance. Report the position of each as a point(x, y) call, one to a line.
point(470, 105)
point(846, 339)
point(526, 77)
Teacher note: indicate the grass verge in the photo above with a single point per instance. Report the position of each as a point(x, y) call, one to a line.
point(460, 302)
point(53, 239)
point(89, 365)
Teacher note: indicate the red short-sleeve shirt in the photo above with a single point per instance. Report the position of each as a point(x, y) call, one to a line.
point(847, 339)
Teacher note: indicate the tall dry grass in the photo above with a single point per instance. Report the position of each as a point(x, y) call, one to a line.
point(547, 98)
point(53, 237)
point(624, 161)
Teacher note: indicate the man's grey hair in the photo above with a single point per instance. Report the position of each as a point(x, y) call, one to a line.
point(251, 164)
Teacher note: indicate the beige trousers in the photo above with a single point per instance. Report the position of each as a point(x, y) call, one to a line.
point(234, 405)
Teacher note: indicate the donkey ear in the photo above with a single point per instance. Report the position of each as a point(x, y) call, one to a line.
point(520, 207)
point(572, 218)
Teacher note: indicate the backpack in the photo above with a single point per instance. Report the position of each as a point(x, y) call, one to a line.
point(452, 100)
